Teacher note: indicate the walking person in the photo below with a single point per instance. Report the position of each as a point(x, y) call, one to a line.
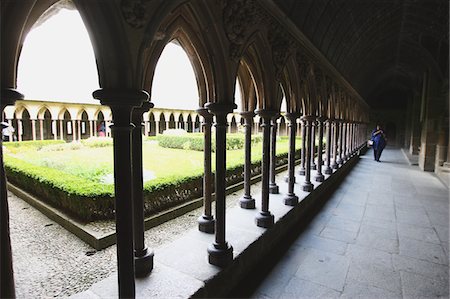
point(379, 142)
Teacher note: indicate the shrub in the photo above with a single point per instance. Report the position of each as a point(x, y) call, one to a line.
point(97, 142)
point(17, 146)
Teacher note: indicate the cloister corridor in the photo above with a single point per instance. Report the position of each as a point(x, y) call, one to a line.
point(382, 234)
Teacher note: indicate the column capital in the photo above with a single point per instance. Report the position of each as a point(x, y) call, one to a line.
point(220, 108)
point(120, 97)
point(308, 118)
point(9, 97)
point(321, 119)
point(247, 114)
point(266, 113)
point(292, 116)
point(139, 111)
point(205, 114)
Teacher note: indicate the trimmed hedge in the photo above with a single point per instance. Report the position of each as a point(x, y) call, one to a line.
point(88, 201)
point(97, 142)
point(196, 141)
point(30, 144)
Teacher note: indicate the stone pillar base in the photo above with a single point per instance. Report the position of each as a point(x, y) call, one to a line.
point(308, 187)
point(220, 256)
point(206, 224)
point(319, 178)
point(328, 170)
point(286, 179)
point(247, 202)
point(313, 166)
point(302, 171)
point(273, 188)
point(264, 219)
point(143, 264)
point(334, 166)
point(291, 199)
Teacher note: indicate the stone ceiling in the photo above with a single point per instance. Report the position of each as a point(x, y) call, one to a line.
point(382, 47)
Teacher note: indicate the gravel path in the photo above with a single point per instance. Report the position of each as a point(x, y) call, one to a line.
point(51, 262)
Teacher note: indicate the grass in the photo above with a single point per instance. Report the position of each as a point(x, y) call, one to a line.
point(94, 162)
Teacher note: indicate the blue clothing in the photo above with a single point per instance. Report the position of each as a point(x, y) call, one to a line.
point(379, 142)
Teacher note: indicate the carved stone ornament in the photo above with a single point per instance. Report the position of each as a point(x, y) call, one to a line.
point(135, 12)
point(282, 47)
point(239, 18)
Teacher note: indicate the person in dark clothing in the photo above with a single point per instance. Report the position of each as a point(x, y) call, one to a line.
point(379, 142)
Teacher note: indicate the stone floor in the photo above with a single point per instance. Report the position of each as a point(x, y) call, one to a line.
point(383, 234)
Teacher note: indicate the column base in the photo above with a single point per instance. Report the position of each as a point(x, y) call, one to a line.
point(143, 264)
point(286, 179)
point(220, 256)
point(274, 189)
point(302, 171)
point(308, 187)
point(319, 177)
point(247, 202)
point(313, 166)
point(265, 219)
point(328, 170)
point(334, 166)
point(206, 224)
point(291, 199)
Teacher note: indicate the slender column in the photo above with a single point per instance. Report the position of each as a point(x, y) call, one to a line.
point(7, 290)
point(220, 253)
point(193, 126)
point(334, 164)
point(340, 132)
point(157, 127)
point(206, 222)
point(95, 128)
point(33, 129)
point(91, 128)
point(11, 137)
point(41, 125)
point(307, 185)
point(303, 149)
point(61, 128)
point(273, 187)
point(319, 177)
point(313, 145)
point(19, 130)
point(328, 169)
point(344, 141)
point(121, 103)
point(247, 201)
point(79, 129)
point(291, 199)
point(265, 218)
point(74, 130)
point(143, 257)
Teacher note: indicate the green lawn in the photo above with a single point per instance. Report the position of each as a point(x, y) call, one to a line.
point(94, 163)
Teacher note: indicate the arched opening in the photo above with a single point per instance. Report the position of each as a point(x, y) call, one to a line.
point(172, 124)
point(45, 125)
point(162, 123)
point(101, 125)
point(174, 84)
point(189, 124)
point(151, 125)
point(67, 127)
point(282, 129)
point(181, 122)
point(197, 124)
point(59, 44)
point(84, 126)
point(26, 133)
point(233, 125)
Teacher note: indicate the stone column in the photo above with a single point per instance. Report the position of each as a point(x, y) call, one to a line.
point(33, 128)
point(91, 128)
point(95, 128)
point(291, 199)
point(273, 187)
point(143, 257)
point(303, 149)
point(79, 129)
point(19, 130)
point(121, 103)
point(156, 127)
point(335, 164)
point(319, 177)
point(7, 290)
point(61, 128)
point(307, 185)
point(328, 169)
point(247, 201)
point(344, 141)
point(265, 218)
point(313, 145)
point(206, 222)
point(41, 125)
point(220, 253)
point(74, 130)
point(340, 160)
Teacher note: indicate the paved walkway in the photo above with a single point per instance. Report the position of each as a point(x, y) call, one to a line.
point(383, 234)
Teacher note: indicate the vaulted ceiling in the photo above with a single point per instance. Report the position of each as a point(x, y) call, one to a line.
point(382, 47)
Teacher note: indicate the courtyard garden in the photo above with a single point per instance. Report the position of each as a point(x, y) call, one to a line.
point(77, 177)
